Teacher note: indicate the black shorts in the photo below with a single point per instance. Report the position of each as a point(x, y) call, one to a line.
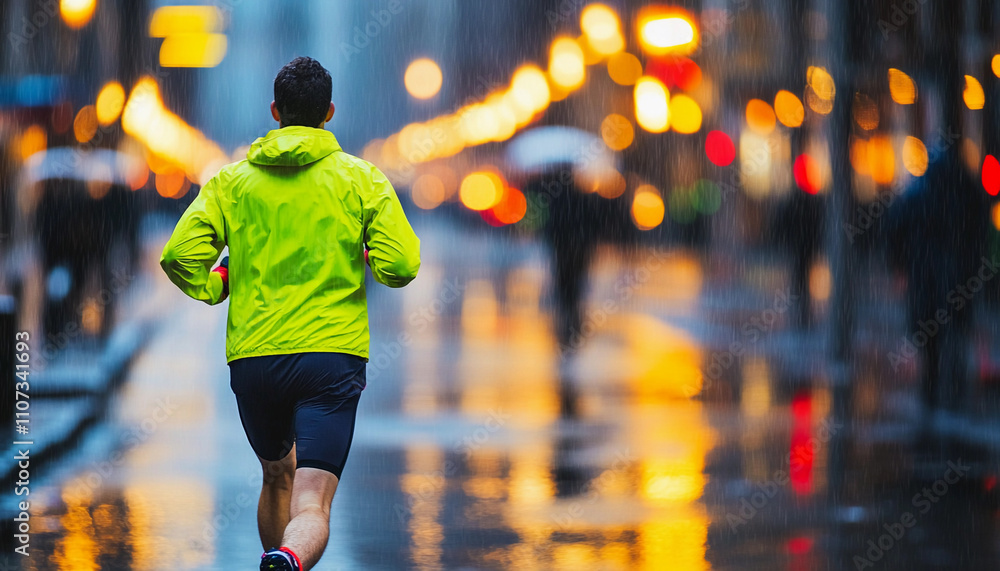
point(310, 399)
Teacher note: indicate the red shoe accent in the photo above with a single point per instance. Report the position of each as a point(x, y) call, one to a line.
point(298, 564)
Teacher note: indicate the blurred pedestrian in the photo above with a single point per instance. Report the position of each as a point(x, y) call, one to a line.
point(937, 232)
point(300, 217)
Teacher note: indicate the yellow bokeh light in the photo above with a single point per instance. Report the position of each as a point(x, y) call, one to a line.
point(859, 157)
point(995, 64)
point(169, 20)
point(817, 103)
point(110, 102)
point(915, 156)
point(602, 29)
point(481, 190)
point(821, 82)
point(881, 159)
point(624, 68)
point(760, 116)
point(647, 207)
point(973, 94)
point(685, 114)
point(33, 140)
point(566, 66)
point(788, 109)
point(423, 78)
point(428, 192)
point(77, 13)
point(193, 50)
point(652, 105)
point(85, 124)
point(865, 112)
point(902, 87)
point(529, 90)
point(617, 132)
point(611, 186)
point(661, 34)
point(996, 216)
point(169, 139)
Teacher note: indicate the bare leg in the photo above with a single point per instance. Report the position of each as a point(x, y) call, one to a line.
point(274, 507)
point(309, 530)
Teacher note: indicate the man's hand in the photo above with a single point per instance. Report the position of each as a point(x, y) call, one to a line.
point(223, 270)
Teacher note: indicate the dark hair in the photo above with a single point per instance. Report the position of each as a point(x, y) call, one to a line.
point(302, 92)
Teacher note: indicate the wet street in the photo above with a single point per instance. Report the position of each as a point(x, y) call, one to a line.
point(481, 445)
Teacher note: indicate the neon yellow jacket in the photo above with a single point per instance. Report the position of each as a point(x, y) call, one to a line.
point(296, 215)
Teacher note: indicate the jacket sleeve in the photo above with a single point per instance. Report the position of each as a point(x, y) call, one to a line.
point(394, 249)
point(195, 246)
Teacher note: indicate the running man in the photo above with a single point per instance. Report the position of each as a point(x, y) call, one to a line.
point(300, 217)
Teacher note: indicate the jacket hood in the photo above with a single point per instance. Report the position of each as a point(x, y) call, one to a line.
point(292, 147)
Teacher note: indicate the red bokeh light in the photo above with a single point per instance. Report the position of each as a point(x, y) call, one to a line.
point(991, 175)
point(675, 72)
point(720, 149)
point(807, 175)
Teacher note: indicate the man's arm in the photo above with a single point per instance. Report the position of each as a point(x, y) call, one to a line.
point(195, 246)
point(394, 249)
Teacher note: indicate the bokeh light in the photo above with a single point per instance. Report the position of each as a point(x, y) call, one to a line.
point(720, 149)
point(995, 216)
point(110, 102)
point(789, 109)
point(77, 13)
point(818, 104)
point(902, 87)
point(685, 115)
point(481, 190)
point(865, 112)
point(85, 124)
point(760, 116)
point(423, 78)
point(172, 184)
point(602, 29)
point(624, 68)
point(617, 132)
point(668, 33)
point(529, 89)
point(881, 159)
point(807, 173)
point(651, 105)
point(915, 157)
point(512, 208)
point(991, 175)
point(973, 95)
point(33, 140)
point(821, 82)
point(995, 64)
point(566, 66)
point(647, 207)
point(428, 192)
